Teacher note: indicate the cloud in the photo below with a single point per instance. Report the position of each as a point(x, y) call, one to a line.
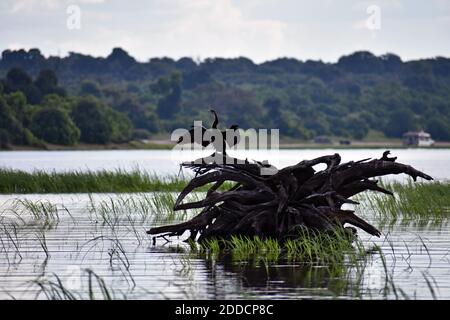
point(176, 28)
point(261, 30)
point(218, 28)
point(16, 6)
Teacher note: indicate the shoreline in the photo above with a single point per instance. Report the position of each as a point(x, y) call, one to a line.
point(167, 146)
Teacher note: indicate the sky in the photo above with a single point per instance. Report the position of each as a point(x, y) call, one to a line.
point(258, 29)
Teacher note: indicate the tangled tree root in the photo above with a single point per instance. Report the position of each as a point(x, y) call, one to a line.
point(275, 206)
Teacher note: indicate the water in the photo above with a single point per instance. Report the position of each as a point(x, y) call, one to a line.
point(434, 162)
point(87, 234)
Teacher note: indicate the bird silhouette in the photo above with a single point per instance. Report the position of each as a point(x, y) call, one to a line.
point(220, 139)
point(386, 157)
point(216, 119)
point(228, 137)
point(191, 138)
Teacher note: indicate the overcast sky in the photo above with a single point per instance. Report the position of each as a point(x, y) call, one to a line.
point(258, 29)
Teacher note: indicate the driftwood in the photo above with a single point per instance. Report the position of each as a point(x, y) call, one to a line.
point(277, 205)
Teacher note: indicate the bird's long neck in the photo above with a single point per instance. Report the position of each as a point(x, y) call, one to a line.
point(216, 120)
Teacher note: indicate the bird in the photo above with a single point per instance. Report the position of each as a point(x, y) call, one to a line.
point(234, 138)
point(386, 157)
point(192, 138)
point(229, 137)
point(216, 119)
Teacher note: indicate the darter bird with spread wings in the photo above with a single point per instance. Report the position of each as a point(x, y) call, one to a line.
point(230, 137)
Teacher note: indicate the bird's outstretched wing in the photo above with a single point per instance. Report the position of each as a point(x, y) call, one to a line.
point(232, 136)
point(190, 137)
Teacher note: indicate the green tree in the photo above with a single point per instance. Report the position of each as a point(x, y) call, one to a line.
point(357, 128)
point(18, 104)
point(170, 89)
point(273, 106)
point(89, 87)
point(54, 125)
point(361, 62)
point(55, 101)
point(318, 124)
point(4, 139)
point(18, 80)
point(47, 83)
point(400, 121)
point(91, 117)
point(12, 129)
point(439, 129)
point(121, 126)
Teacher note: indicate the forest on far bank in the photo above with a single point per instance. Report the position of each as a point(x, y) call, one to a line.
point(80, 98)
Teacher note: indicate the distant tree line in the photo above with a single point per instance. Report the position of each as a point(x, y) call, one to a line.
point(35, 112)
point(80, 98)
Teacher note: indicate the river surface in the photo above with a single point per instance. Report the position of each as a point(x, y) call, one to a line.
point(105, 234)
point(435, 162)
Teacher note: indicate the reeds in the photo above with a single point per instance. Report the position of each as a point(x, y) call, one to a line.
point(308, 247)
point(42, 212)
point(324, 248)
point(420, 203)
point(15, 181)
point(138, 208)
point(55, 289)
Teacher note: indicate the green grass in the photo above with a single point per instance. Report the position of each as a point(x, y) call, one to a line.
point(14, 181)
point(157, 207)
point(44, 212)
point(56, 290)
point(336, 259)
point(308, 247)
point(324, 248)
point(413, 201)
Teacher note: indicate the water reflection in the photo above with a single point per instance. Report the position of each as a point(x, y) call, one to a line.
point(227, 277)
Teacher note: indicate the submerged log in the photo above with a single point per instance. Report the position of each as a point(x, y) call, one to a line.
point(277, 205)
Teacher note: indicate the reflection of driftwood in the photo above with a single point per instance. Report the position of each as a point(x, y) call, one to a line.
point(276, 205)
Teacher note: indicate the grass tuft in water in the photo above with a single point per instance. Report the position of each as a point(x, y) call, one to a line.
point(308, 247)
point(55, 289)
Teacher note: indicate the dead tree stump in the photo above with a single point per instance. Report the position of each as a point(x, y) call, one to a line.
point(275, 206)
